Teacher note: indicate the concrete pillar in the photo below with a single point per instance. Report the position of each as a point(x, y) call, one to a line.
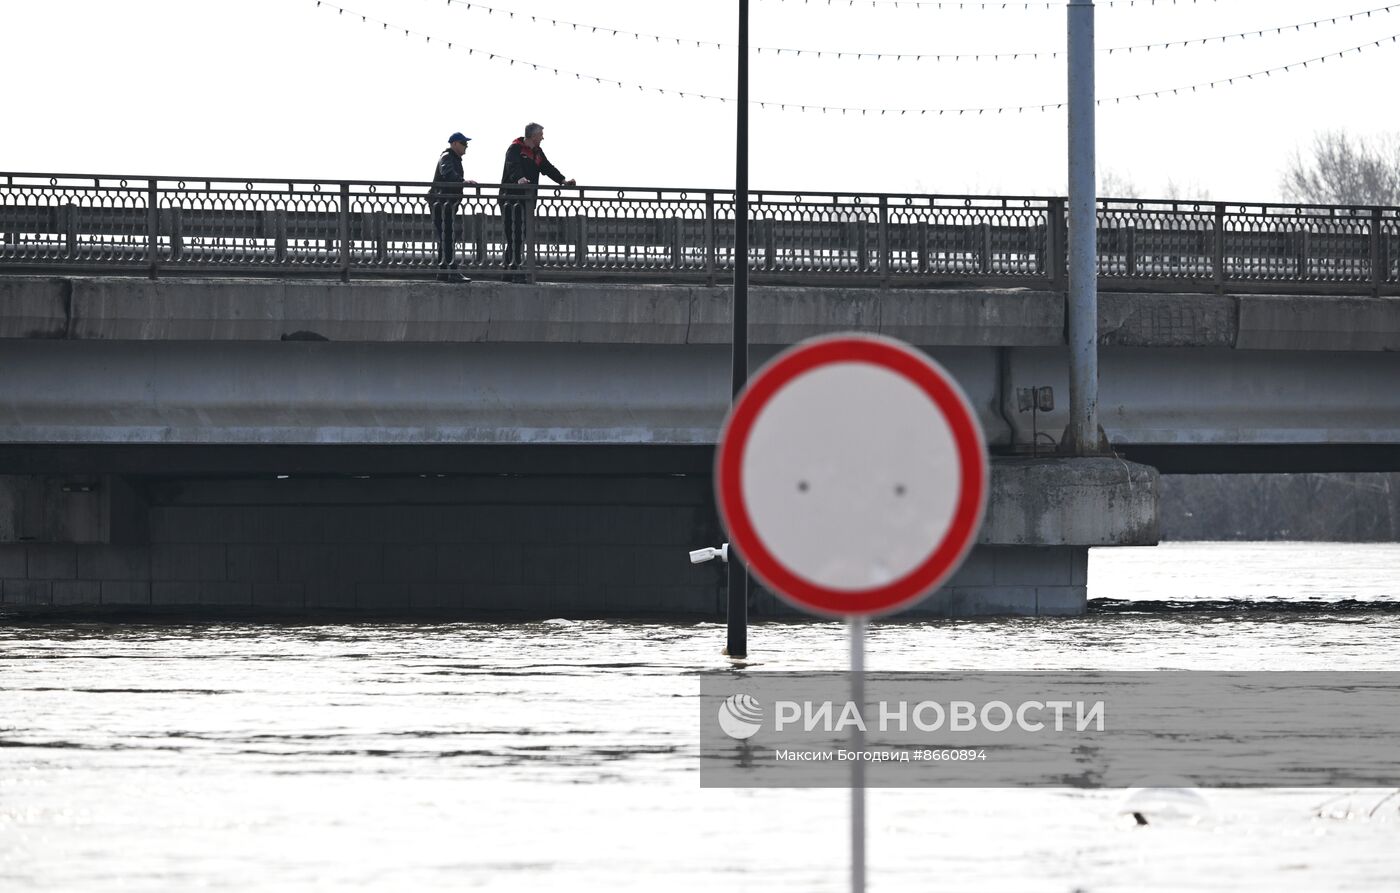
point(1082, 437)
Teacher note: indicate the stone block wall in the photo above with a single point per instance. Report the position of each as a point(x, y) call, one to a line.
point(419, 545)
point(530, 545)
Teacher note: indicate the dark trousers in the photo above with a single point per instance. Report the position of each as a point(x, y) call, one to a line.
point(514, 214)
point(445, 228)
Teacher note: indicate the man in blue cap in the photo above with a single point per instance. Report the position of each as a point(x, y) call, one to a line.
point(444, 197)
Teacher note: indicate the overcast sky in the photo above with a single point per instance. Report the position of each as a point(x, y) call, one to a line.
point(287, 89)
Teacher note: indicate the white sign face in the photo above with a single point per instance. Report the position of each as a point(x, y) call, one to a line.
point(850, 476)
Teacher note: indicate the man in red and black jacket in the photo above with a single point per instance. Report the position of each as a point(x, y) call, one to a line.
point(525, 161)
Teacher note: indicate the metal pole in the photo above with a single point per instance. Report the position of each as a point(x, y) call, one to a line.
point(152, 229)
point(857, 765)
point(1083, 434)
point(345, 232)
point(738, 607)
point(529, 213)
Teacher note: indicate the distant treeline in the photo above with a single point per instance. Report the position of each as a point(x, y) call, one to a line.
point(1360, 508)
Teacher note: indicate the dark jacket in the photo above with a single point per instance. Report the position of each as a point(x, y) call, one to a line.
point(522, 161)
point(448, 170)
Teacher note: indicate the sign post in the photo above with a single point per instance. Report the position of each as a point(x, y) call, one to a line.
point(851, 476)
point(857, 635)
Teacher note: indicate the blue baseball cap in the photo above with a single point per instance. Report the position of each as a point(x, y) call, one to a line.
point(458, 138)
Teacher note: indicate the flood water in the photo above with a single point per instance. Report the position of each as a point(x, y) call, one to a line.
point(561, 755)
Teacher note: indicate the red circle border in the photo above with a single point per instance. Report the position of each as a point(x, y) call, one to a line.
point(930, 378)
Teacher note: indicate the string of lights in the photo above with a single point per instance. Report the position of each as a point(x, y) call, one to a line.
point(855, 110)
point(1264, 73)
point(586, 28)
point(1028, 55)
point(1145, 94)
point(1054, 54)
point(1262, 32)
point(990, 5)
point(511, 60)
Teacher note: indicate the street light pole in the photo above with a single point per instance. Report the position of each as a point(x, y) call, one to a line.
point(738, 604)
point(1082, 436)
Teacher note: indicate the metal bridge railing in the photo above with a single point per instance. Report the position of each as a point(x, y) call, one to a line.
point(210, 226)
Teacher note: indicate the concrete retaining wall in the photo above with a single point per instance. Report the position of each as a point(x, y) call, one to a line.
point(634, 565)
point(535, 544)
point(538, 545)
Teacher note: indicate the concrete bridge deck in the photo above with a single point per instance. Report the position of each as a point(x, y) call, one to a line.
point(110, 361)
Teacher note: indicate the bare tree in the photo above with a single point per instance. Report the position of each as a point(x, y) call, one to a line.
point(1115, 184)
point(1185, 192)
point(1342, 170)
point(1112, 184)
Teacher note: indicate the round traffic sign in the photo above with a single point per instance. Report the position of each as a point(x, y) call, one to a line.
point(851, 475)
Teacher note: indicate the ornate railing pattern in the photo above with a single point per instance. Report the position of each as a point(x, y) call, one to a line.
point(162, 226)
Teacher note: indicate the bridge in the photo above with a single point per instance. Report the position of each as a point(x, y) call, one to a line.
point(252, 395)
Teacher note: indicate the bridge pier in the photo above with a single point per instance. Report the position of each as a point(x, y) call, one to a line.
point(1032, 554)
point(1023, 581)
point(524, 542)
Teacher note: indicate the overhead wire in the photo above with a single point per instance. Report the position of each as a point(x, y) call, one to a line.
point(862, 55)
point(585, 27)
point(861, 110)
point(990, 5)
point(511, 60)
point(1053, 54)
